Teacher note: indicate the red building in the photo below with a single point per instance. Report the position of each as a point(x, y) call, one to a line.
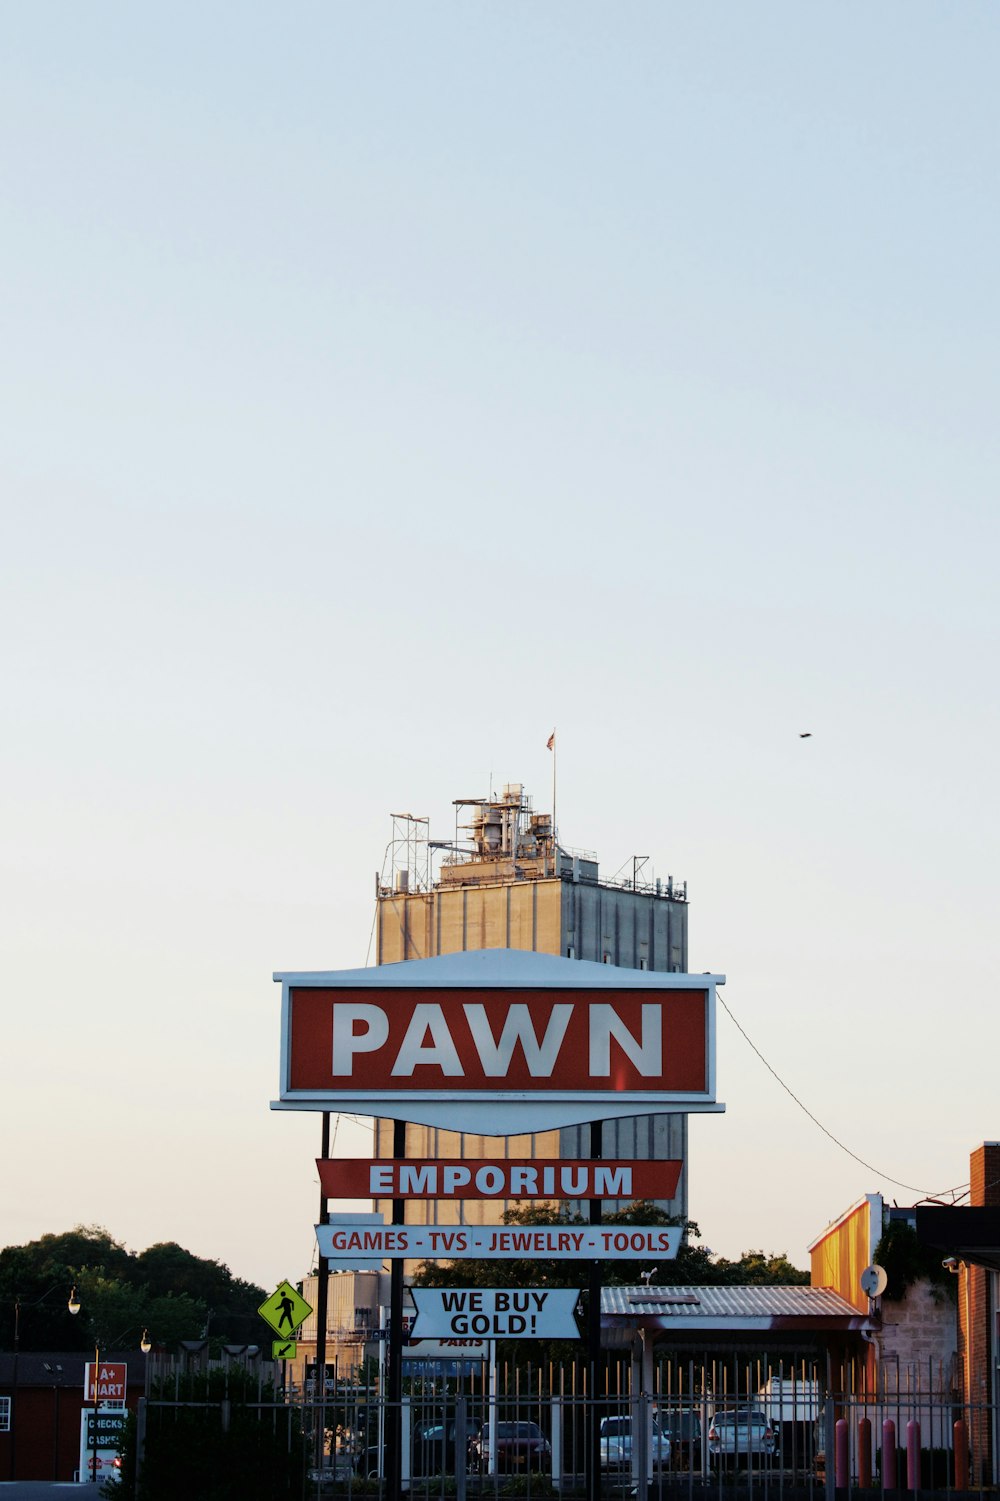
point(41, 1401)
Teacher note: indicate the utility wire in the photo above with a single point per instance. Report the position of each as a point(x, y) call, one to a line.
point(836, 1140)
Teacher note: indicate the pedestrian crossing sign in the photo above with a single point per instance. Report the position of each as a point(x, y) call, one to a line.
point(284, 1349)
point(284, 1310)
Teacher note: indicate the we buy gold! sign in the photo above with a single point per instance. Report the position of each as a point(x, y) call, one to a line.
point(111, 1380)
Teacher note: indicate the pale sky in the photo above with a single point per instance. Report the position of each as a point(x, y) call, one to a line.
point(384, 385)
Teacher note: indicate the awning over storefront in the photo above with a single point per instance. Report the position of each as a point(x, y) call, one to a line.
point(690, 1314)
point(966, 1232)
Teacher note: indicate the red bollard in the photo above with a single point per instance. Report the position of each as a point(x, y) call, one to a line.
point(961, 1456)
point(889, 1454)
point(865, 1453)
point(913, 1455)
point(841, 1451)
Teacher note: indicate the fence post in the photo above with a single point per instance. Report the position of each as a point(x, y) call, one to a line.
point(841, 1450)
point(140, 1436)
point(226, 1407)
point(556, 1410)
point(961, 1440)
point(913, 1455)
point(865, 1453)
point(640, 1446)
point(889, 1455)
point(461, 1443)
point(829, 1446)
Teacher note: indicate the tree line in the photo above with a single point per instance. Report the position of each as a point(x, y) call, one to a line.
point(165, 1289)
point(694, 1266)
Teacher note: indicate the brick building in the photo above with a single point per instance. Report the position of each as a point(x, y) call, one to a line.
point(968, 1238)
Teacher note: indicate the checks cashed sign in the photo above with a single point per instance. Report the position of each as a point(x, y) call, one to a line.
point(498, 1041)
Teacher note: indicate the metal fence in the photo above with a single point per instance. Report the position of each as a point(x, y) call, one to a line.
point(726, 1424)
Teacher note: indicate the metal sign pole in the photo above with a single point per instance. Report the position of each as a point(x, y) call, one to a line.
point(322, 1295)
point(394, 1394)
point(594, 1335)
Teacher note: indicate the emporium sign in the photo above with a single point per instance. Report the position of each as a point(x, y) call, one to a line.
point(497, 1178)
point(514, 1042)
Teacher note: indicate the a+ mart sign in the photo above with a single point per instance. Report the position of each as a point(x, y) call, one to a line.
point(284, 1310)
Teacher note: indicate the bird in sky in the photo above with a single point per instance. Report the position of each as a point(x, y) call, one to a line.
point(805, 734)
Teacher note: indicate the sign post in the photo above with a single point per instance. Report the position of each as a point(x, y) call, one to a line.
point(594, 1332)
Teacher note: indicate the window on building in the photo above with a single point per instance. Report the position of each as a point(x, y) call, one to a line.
point(362, 1318)
point(4, 1414)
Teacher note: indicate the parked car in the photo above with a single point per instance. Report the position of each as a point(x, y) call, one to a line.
point(432, 1447)
point(616, 1443)
point(740, 1435)
point(518, 1445)
point(432, 1450)
point(683, 1428)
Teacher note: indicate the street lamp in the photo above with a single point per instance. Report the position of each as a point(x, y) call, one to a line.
point(145, 1345)
point(74, 1308)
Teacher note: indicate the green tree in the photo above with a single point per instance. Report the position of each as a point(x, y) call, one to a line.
point(907, 1261)
point(231, 1304)
point(694, 1266)
point(39, 1276)
point(234, 1443)
point(167, 1290)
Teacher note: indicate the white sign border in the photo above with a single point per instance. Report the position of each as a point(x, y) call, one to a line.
point(482, 1111)
point(555, 1320)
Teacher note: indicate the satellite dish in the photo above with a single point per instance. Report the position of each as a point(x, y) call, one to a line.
point(874, 1280)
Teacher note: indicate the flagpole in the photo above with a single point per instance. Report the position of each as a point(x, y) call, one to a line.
point(555, 827)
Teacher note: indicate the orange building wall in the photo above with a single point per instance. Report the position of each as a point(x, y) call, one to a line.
point(841, 1254)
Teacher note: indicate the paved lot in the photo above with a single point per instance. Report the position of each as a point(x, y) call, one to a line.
point(39, 1490)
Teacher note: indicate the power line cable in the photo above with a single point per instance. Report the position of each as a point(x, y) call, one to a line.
point(912, 1188)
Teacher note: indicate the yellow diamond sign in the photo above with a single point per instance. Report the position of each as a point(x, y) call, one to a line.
point(284, 1310)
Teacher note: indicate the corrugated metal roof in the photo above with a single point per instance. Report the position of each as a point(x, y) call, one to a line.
point(728, 1302)
point(734, 1308)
